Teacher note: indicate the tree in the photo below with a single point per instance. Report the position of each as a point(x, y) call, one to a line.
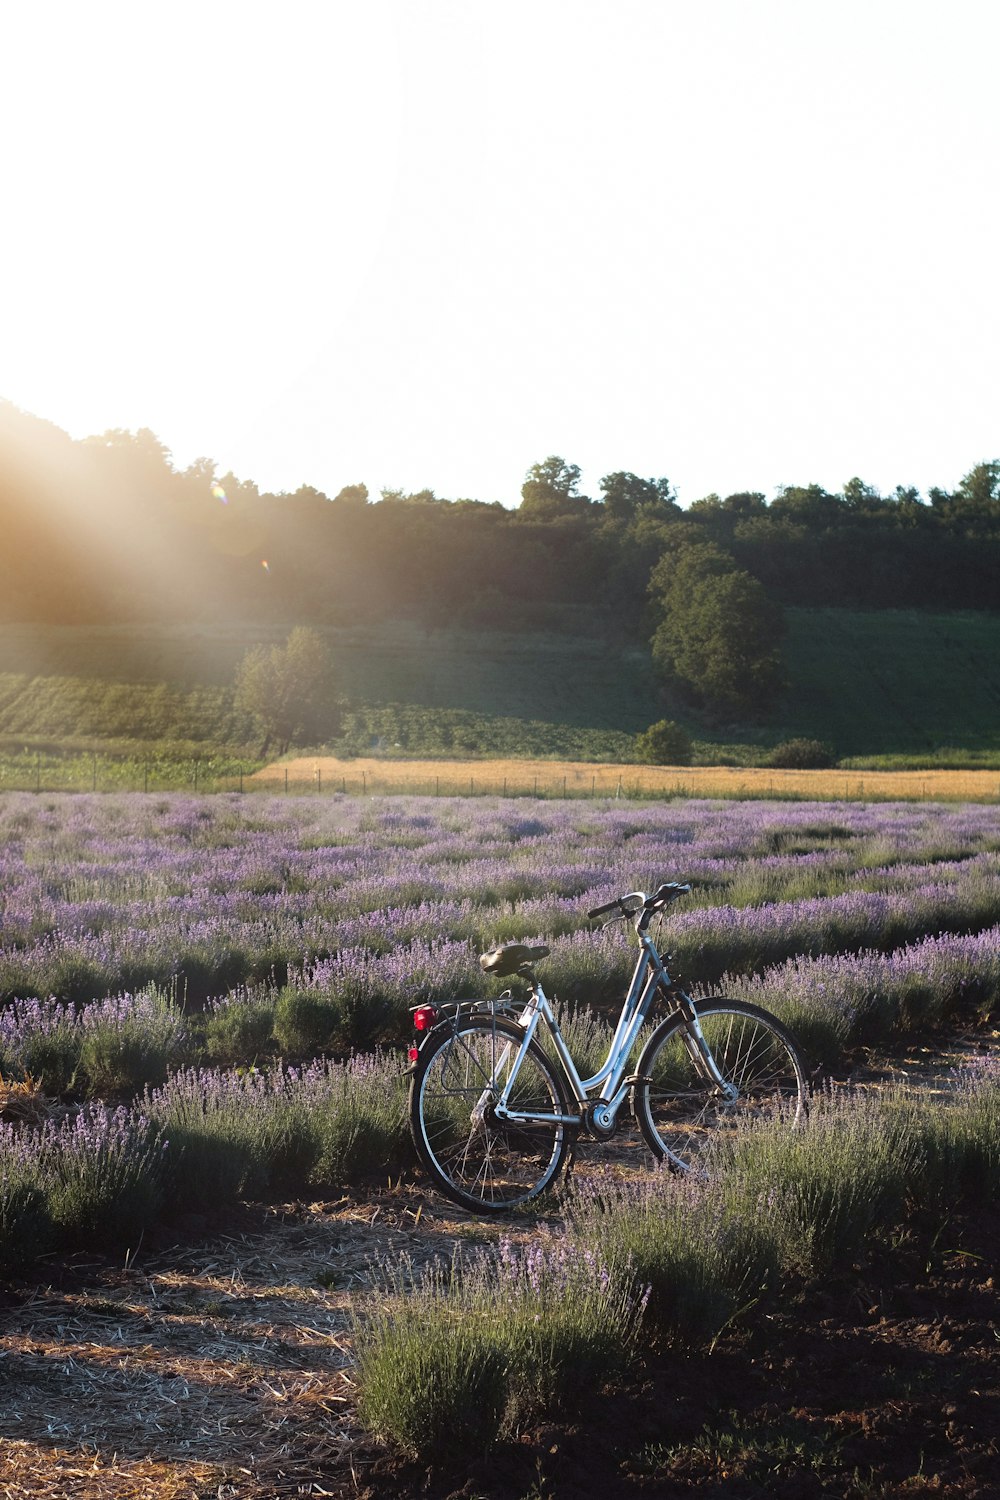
point(719, 634)
point(981, 486)
point(664, 744)
point(625, 495)
point(353, 494)
point(289, 690)
point(550, 490)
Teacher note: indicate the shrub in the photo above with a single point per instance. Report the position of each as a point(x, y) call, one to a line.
point(26, 1228)
point(52, 1057)
point(358, 1116)
point(305, 1021)
point(239, 1030)
point(436, 1383)
point(230, 1134)
point(102, 1173)
point(664, 744)
point(128, 1043)
point(464, 1353)
point(700, 1262)
point(801, 755)
point(961, 1141)
point(825, 1186)
point(41, 1039)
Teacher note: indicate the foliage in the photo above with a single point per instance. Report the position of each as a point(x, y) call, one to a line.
point(192, 546)
point(550, 491)
point(801, 755)
point(718, 635)
point(503, 1339)
point(289, 690)
point(664, 744)
point(627, 497)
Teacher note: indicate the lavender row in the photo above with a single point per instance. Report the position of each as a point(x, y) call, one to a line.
point(107, 895)
point(840, 1000)
point(832, 1002)
point(206, 1138)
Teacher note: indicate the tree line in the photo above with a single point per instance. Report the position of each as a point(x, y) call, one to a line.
point(108, 529)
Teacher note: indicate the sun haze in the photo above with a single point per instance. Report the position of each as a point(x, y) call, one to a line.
point(427, 243)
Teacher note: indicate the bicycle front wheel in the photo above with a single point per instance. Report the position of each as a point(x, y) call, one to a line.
point(482, 1162)
point(681, 1110)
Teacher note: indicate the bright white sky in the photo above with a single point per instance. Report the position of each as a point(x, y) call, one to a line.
point(741, 244)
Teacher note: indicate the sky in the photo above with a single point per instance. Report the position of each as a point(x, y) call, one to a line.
point(426, 243)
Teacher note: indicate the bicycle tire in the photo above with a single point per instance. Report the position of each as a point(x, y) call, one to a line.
point(680, 1113)
point(490, 1166)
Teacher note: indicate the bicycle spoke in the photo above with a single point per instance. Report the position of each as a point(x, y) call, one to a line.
point(683, 1109)
point(481, 1159)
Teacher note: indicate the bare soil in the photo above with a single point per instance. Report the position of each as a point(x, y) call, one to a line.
point(217, 1363)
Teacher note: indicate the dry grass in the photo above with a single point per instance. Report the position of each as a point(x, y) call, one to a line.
point(586, 779)
point(220, 1370)
point(23, 1103)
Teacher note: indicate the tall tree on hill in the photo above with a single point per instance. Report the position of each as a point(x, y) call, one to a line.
point(719, 633)
point(550, 490)
point(626, 496)
point(289, 690)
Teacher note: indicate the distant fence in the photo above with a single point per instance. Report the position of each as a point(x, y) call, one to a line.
point(51, 773)
point(104, 774)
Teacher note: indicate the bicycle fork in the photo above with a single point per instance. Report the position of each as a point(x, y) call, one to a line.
point(700, 1052)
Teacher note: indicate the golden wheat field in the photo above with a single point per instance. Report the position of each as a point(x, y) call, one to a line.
point(517, 778)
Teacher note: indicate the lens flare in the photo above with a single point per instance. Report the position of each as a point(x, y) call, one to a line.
point(218, 493)
point(265, 565)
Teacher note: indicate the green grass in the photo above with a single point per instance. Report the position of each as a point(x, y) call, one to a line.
point(891, 689)
point(896, 683)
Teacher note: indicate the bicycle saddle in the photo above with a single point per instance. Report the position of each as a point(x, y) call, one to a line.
point(509, 958)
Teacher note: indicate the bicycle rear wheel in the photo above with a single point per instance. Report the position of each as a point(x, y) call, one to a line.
point(482, 1162)
point(681, 1111)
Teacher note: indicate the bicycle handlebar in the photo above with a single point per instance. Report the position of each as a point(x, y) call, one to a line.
point(669, 891)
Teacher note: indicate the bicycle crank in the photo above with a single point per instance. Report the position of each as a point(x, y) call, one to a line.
point(599, 1120)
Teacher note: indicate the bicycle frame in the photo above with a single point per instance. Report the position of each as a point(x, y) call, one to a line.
point(649, 976)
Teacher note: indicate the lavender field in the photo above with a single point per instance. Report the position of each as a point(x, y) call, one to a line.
point(204, 1003)
point(225, 983)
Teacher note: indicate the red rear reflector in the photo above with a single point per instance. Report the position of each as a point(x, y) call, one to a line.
point(413, 1054)
point(424, 1017)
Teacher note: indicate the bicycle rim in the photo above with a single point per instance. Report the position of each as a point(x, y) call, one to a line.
point(484, 1163)
point(681, 1113)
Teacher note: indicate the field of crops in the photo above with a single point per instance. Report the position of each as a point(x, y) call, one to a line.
point(205, 1000)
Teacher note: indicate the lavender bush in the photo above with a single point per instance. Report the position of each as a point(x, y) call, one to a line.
point(820, 1190)
point(129, 1042)
point(465, 1353)
point(230, 1133)
point(102, 1174)
point(700, 1260)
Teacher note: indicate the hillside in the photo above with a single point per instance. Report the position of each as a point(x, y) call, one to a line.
point(889, 682)
point(893, 681)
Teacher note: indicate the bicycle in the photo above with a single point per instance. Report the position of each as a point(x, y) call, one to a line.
point(493, 1117)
